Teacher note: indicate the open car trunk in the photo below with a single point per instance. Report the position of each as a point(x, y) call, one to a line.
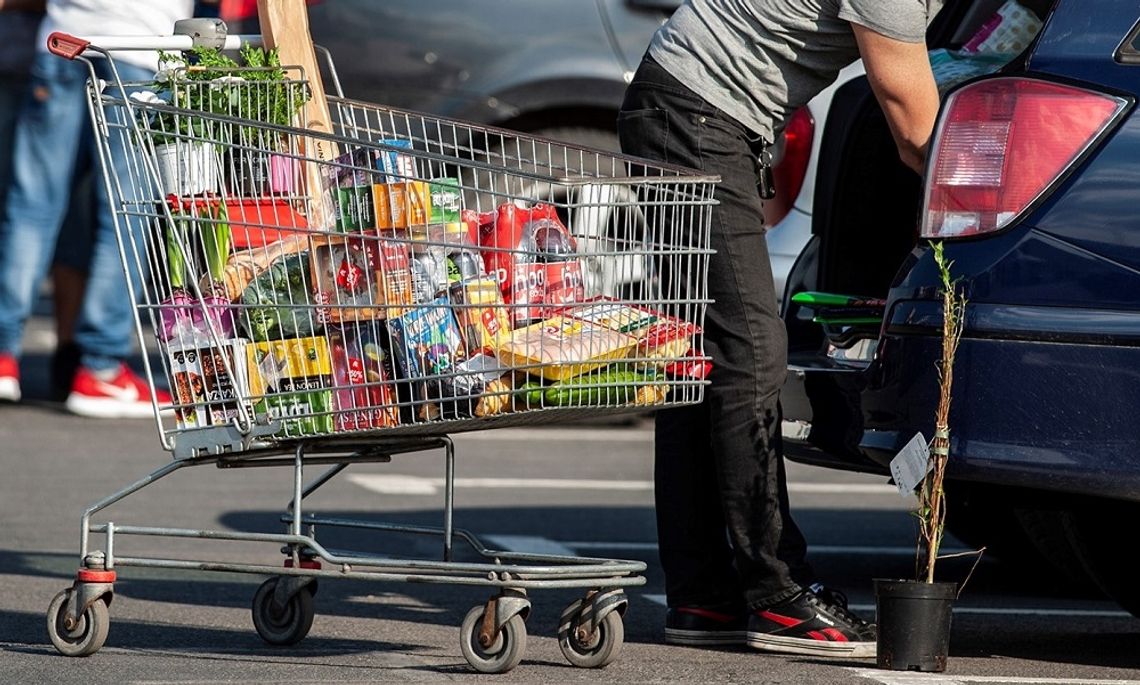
point(865, 231)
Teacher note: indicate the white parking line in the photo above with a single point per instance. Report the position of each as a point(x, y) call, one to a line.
point(869, 609)
point(396, 484)
point(900, 678)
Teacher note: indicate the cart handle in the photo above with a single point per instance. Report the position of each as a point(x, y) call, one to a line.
point(68, 46)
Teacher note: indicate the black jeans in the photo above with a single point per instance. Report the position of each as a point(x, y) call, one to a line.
point(724, 530)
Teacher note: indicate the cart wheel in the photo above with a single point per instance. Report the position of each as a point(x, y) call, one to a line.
point(504, 654)
point(287, 626)
point(600, 649)
point(89, 633)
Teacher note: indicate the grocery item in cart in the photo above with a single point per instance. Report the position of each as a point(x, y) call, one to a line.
point(476, 386)
point(533, 257)
point(291, 380)
point(483, 320)
point(359, 278)
point(426, 346)
point(204, 391)
point(278, 301)
point(660, 338)
point(350, 179)
point(613, 386)
point(562, 347)
point(446, 200)
point(396, 166)
point(401, 204)
point(363, 396)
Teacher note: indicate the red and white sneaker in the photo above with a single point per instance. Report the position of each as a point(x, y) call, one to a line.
point(9, 379)
point(125, 396)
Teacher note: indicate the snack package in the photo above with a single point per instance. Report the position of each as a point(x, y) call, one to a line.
point(363, 396)
point(474, 387)
point(396, 166)
point(426, 345)
point(199, 379)
point(660, 337)
point(348, 180)
point(359, 278)
point(483, 320)
point(290, 381)
point(533, 258)
point(563, 347)
point(401, 204)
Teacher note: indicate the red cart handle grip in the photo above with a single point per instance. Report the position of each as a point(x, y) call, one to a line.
point(66, 45)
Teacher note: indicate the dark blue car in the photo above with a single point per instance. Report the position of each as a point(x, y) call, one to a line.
point(1033, 185)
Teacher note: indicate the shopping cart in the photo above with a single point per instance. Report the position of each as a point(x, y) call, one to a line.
point(428, 277)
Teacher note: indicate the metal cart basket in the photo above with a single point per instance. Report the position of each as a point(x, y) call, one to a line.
point(329, 298)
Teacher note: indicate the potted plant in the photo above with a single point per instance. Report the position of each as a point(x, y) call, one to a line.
point(210, 82)
point(913, 616)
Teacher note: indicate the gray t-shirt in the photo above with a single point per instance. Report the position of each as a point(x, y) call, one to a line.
point(761, 60)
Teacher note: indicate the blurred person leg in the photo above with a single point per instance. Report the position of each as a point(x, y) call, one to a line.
point(49, 128)
point(69, 279)
point(104, 386)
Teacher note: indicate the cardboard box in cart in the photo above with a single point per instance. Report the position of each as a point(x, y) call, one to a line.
point(203, 389)
point(291, 380)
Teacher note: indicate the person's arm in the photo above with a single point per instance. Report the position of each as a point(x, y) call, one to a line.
point(900, 76)
point(23, 5)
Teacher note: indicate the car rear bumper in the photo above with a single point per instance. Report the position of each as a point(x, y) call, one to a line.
point(1038, 413)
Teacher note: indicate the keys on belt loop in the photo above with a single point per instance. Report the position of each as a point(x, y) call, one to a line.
point(766, 180)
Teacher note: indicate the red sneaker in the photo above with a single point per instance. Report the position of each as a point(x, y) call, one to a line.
point(9, 379)
point(126, 396)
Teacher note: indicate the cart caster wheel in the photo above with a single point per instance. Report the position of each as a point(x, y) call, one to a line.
point(87, 636)
point(598, 649)
point(504, 654)
point(287, 626)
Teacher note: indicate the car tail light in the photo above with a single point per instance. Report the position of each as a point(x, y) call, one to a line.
point(1001, 143)
point(791, 167)
point(238, 10)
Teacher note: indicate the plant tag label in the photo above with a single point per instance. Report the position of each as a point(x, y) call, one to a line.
point(911, 465)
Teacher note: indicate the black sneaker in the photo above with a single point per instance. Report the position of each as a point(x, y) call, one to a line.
point(706, 626)
point(814, 622)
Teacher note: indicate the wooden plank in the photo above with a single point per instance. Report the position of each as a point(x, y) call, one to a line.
point(285, 26)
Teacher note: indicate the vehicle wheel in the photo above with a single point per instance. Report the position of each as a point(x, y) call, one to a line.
point(602, 647)
point(504, 654)
point(1047, 531)
point(89, 633)
point(287, 626)
point(1094, 532)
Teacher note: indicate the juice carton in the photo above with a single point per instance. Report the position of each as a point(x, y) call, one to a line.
point(359, 278)
point(401, 204)
point(290, 381)
point(207, 394)
point(563, 347)
point(362, 394)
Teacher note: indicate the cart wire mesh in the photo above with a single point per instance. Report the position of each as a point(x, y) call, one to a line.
point(430, 276)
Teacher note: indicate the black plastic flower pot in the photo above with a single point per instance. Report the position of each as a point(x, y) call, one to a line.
point(914, 624)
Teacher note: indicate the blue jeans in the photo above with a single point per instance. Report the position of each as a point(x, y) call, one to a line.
point(54, 142)
point(725, 532)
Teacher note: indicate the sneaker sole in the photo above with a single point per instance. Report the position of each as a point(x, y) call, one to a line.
point(808, 646)
point(9, 390)
point(97, 408)
point(704, 638)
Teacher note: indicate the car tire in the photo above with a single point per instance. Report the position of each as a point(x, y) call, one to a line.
point(1094, 531)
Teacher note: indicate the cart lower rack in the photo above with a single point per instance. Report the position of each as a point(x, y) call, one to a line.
point(318, 298)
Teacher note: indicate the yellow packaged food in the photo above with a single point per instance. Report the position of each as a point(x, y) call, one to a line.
point(292, 381)
point(401, 204)
point(561, 348)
